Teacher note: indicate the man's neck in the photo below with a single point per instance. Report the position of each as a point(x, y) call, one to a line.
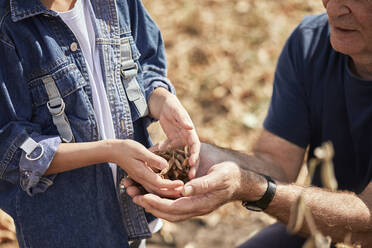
point(362, 68)
point(59, 5)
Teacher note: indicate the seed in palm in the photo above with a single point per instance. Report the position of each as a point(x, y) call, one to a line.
point(178, 164)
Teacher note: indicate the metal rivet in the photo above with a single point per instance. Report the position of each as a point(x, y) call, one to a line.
point(74, 46)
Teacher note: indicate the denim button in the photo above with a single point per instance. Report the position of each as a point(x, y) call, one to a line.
point(74, 46)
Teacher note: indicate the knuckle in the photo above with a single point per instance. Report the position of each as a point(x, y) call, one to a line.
point(204, 185)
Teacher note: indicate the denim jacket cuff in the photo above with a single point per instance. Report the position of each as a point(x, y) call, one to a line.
point(32, 177)
point(159, 82)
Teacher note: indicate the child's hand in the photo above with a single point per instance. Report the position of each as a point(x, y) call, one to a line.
point(176, 123)
point(136, 160)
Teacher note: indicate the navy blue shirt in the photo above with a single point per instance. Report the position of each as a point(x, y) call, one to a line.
point(317, 98)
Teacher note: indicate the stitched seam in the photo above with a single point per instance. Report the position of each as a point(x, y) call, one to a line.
point(151, 68)
point(3, 18)
point(1, 25)
point(8, 44)
point(37, 75)
point(68, 68)
point(9, 155)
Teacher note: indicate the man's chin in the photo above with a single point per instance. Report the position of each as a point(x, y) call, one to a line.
point(345, 47)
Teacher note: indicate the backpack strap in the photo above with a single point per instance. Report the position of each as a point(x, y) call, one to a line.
point(56, 107)
point(128, 72)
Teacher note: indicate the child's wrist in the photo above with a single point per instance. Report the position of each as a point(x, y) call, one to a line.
point(157, 100)
point(110, 149)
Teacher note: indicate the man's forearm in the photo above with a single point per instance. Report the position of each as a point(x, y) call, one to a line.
point(335, 213)
point(245, 161)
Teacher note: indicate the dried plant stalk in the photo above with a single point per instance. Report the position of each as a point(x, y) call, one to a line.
point(348, 243)
point(343, 245)
point(297, 216)
point(326, 153)
point(321, 241)
point(328, 176)
point(310, 243)
point(178, 164)
point(300, 212)
point(313, 163)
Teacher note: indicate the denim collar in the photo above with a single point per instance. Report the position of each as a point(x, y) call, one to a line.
point(22, 9)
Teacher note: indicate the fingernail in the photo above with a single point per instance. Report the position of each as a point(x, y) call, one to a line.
point(192, 173)
point(164, 164)
point(188, 190)
point(180, 188)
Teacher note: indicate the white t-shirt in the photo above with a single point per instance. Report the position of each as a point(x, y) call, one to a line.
point(79, 20)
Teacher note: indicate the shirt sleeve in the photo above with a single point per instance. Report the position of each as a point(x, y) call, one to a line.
point(18, 164)
point(150, 44)
point(288, 114)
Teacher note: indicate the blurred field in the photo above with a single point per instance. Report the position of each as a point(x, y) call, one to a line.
point(221, 58)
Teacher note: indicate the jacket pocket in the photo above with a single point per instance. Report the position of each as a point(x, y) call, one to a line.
point(77, 107)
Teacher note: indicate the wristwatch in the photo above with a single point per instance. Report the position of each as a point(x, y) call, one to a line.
point(265, 200)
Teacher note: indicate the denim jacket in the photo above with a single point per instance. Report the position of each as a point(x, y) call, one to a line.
point(79, 208)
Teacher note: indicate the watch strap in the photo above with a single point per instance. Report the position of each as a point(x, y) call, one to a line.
point(265, 200)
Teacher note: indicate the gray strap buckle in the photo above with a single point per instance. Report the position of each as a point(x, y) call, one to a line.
point(128, 71)
point(29, 146)
point(56, 107)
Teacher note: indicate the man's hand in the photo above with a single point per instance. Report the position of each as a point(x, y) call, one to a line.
point(201, 195)
point(176, 123)
point(136, 160)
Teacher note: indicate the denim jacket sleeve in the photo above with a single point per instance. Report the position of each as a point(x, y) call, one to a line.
point(16, 127)
point(150, 44)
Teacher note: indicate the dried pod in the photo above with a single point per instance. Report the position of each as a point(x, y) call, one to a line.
point(178, 164)
point(179, 151)
point(185, 162)
point(180, 157)
point(186, 149)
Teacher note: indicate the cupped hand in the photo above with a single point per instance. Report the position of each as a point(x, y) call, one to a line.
point(7, 228)
point(176, 124)
point(201, 195)
point(140, 164)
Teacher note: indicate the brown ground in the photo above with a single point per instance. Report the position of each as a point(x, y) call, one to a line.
point(221, 58)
